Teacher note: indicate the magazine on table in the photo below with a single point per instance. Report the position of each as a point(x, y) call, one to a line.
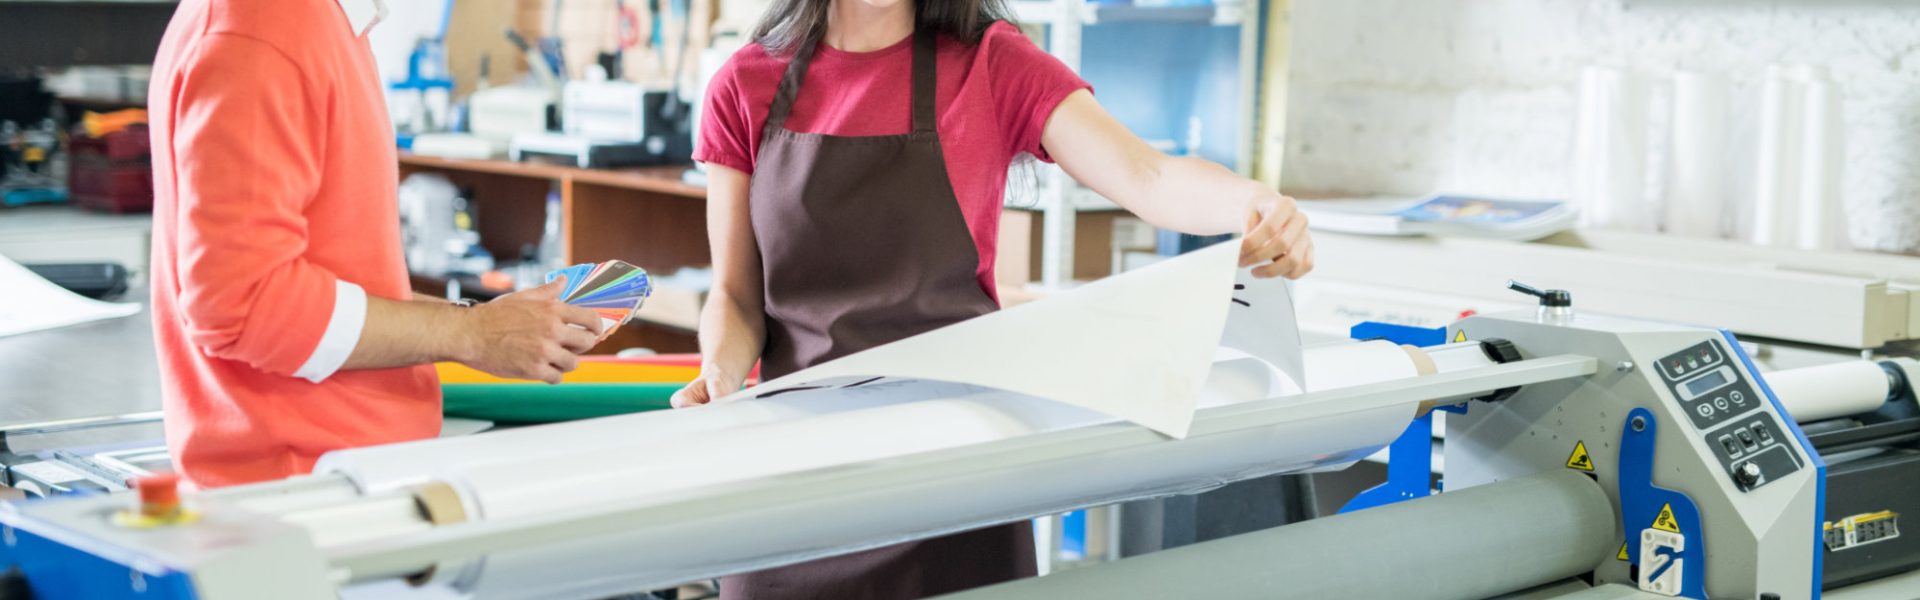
point(1451, 215)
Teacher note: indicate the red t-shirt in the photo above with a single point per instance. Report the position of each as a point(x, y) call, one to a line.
point(993, 101)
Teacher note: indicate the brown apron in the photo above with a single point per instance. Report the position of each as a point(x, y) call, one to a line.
point(862, 243)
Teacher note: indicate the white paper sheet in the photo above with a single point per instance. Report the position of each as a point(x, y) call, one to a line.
point(1261, 323)
point(29, 303)
point(1135, 346)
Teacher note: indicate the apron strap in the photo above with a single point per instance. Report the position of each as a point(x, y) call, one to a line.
point(925, 81)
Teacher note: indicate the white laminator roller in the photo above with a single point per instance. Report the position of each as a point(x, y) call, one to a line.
point(646, 459)
point(1837, 390)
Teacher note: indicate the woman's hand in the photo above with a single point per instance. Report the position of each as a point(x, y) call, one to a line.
point(733, 320)
point(1277, 239)
point(710, 385)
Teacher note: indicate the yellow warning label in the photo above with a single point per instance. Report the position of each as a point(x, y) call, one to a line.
point(1460, 336)
point(1580, 459)
point(1623, 552)
point(1664, 521)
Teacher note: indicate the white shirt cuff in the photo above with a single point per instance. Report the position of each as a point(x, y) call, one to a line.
point(343, 333)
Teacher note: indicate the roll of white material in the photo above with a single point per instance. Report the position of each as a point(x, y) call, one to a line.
point(1696, 198)
point(1458, 356)
point(646, 473)
point(1829, 391)
point(385, 468)
point(1347, 365)
point(1777, 191)
point(1610, 151)
point(389, 467)
point(751, 445)
point(1822, 165)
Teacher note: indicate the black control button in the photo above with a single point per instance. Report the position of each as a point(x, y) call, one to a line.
point(1746, 439)
point(1760, 430)
point(1746, 474)
point(1733, 449)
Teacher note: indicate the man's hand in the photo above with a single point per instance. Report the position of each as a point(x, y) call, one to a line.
point(529, 334)
point(1277, 238)
point(711, 385)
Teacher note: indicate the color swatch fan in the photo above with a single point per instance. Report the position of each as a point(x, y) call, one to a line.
point(614, 289)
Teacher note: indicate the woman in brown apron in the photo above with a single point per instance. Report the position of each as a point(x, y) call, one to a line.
point(825, 245)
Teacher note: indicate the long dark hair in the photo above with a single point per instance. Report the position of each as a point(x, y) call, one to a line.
point(789, 25)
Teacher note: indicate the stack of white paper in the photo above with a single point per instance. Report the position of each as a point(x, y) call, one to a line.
point(29, 303)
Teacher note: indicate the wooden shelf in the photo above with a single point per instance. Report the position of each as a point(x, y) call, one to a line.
point(103, 103)
point(645, 215)
point(663, 180)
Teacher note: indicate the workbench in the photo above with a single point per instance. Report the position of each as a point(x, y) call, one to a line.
point(88, 370)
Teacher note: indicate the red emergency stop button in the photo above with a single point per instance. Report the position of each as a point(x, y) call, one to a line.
point(159, 495)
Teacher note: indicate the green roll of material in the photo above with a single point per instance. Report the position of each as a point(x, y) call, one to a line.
point(538, 403)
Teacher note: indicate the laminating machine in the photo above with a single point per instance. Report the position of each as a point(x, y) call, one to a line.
point(1586, 457)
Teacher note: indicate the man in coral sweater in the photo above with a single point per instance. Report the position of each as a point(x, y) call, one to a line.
point(282, 311)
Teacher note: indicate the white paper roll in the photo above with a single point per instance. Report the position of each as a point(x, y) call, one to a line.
point(1829, 391)
point(1610, 153)
point(647, 472)
point(1822, 164)
point(741, 537)
point(1696, 196)
point(1458, 356)
point(1347, 365)
point(1777, 191)
point(389, 467)
point(937, 416)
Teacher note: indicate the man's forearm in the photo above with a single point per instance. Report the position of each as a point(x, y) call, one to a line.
point(405, 333)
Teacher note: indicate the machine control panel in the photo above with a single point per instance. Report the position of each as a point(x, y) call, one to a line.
point(1754, 451)
point(1707, 385)
point(1726, 407)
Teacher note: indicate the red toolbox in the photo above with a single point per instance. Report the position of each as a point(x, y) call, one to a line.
point(112, 173)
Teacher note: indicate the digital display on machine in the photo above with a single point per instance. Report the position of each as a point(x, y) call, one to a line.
point(1706, 383)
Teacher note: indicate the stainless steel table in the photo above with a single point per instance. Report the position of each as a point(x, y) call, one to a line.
point(88, 370)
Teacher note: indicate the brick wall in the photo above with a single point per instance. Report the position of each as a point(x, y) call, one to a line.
point(1411, 96)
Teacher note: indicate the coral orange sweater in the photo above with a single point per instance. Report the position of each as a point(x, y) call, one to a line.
point(274, 218)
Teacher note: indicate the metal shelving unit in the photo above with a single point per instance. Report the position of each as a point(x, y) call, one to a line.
point(1060, 198)
point(1093, 13)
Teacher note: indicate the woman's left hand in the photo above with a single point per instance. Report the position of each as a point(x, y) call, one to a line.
point(1277, 240)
